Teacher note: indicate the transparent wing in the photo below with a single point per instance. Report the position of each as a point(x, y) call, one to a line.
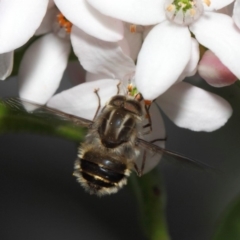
point(172, 156)
point(24, 106)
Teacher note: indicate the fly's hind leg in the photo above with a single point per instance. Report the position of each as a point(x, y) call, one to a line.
point(140, 171)
point(158, 140)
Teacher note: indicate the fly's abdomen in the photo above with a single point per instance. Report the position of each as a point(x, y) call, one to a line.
point(100, 174)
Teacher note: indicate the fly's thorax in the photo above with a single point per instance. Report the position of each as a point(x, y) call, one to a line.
point(119, 121)
point(99, 172)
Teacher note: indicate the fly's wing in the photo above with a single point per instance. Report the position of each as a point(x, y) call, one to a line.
point(20, 106)
point(172, 156)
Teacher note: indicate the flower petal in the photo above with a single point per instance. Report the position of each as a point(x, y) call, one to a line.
point(94, 77)
point(164, 55)
point(217, 4)
point(236, 13)
point(217, 32)
point(144, 12)
point(192, 65)
point(212, 70)
point(19, 21)
point(101, 57)
point(48, 21)
point(6, 64)
point(82, 101)
point(42, 68)
point(194, 108)
point(79, 12)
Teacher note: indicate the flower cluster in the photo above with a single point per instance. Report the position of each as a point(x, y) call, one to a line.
point(154, 43)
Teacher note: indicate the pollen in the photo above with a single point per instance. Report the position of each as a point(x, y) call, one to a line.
point(133, 28)
point(147, 102)
point(170, 8)
point(64, 23)
point(207, 2)
point(184, 12)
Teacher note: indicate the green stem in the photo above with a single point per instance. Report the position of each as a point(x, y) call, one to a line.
point(12, 121)
point(151, 199)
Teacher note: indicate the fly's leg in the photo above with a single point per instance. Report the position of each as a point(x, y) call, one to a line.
point(118, 88)
point(147, 105)
point(99, 103)
point(158, 140)
point(99, 100)
point(137, 170)
point(140, 171)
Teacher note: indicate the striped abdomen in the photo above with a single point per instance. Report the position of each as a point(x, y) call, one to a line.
point(100, 174)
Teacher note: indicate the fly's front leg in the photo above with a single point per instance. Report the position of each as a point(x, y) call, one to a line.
point(147, 105)
point(99, 103)
point(118, 88)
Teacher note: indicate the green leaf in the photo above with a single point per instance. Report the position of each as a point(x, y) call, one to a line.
point(20, 121)
point(151, 199)
point(229, 224)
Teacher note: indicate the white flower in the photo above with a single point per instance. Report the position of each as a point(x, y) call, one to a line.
point(236, 13)
point(6, 64)
point(187, 106)
point(19, 21)
point(211, 69)
point(85, 17)
point(101, 57)
point(167, 48)
point(115, 60)
point(108, 60)
point(45, 61)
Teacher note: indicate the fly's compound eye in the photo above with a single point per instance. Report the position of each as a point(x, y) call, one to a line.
point(117, 101)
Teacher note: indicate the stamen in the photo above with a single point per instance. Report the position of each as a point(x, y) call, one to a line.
point(133, 28)
point(132, 90)
point(184, 12)
point(64, 23)
point(207, 2)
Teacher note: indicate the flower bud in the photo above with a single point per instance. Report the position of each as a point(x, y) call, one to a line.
point(212, 70)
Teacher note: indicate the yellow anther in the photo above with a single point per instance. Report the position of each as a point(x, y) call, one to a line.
point(133, 28)
point(170, 7)
point(207, 2)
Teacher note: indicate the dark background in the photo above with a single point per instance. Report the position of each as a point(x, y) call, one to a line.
point(39, 198)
